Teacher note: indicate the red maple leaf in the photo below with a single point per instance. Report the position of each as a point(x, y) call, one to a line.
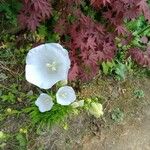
point(98, 3)
point(34, 12)
point(74, 71)
point(121, 30)
point(144, 7)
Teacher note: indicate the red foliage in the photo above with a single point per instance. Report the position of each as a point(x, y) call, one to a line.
point(140, 57)
point(34, 12)
point(98, 3)
point(119, 10)
point(90, 42)
point(143, 7)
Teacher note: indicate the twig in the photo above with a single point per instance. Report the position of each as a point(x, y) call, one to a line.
point(2, 66)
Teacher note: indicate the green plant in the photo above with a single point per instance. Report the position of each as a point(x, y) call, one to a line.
point(9, 10)
point(3, 139)
point(57, 114)
point(117, 115)
point(22, 140)
point(9, 97)
point(120, 71)
point(94, 107)
point(12, 94)
point(139, 93)
point(108, 67)
point(117, 68)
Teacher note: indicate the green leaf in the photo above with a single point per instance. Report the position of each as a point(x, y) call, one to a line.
point(105, 68)
point(22, 141)
point(120, 71)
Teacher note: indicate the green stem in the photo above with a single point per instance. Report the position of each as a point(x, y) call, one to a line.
point(144, 30)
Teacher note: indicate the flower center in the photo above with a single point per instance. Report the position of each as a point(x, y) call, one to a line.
point(51, 66)
point(63, 95)
point(45, 101)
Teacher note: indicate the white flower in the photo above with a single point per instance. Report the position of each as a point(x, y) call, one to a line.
point(65, 95)
point(44, 102)
point(46, 65)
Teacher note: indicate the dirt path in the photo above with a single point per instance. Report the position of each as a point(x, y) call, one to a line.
point(87, 133)
point(131, 134)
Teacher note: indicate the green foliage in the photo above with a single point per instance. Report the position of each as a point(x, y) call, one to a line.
point(17, 141)
point(21, 138)
point(12, 94)
point(57, 114)
point(139, 93)
point(116, 68)
point(10, 97)
point(137, 24)
point(71, 18)
point(108, 67)
point(10, 10)
point(2, 136)
point(42, 30)
point(43, 34)
point(117, 115)
point(88, 10)
point(121, 66)
point(53, 37)
point(139, 28)
point(3, 139)
point(120, 71)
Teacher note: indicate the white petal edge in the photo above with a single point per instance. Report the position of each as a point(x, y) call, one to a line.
point(36, 59)
point(70, 98)
point(44, 102)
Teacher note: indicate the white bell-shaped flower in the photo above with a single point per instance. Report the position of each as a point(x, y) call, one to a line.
point(46, 65)
point(44, 102)
point(65, 95)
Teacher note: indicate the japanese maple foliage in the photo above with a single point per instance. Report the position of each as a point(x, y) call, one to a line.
point(90, 44)
point(34, 12)
point(90, 41)
point(140, 57)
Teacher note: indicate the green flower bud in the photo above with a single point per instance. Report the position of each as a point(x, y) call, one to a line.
point(78, 104)
point(96, 109)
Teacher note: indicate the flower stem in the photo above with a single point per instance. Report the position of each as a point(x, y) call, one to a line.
point(146, 28)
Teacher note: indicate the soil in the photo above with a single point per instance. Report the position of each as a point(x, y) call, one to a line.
point(88, 133)
point(133, 133)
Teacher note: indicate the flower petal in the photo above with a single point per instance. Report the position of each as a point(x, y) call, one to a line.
point(65, 95)
point(44, 102)
point(37, 71)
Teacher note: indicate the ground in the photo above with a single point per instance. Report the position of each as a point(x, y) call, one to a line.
point(125, 124)
point(130, 134)
point(133, 132)
point(85, 132)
